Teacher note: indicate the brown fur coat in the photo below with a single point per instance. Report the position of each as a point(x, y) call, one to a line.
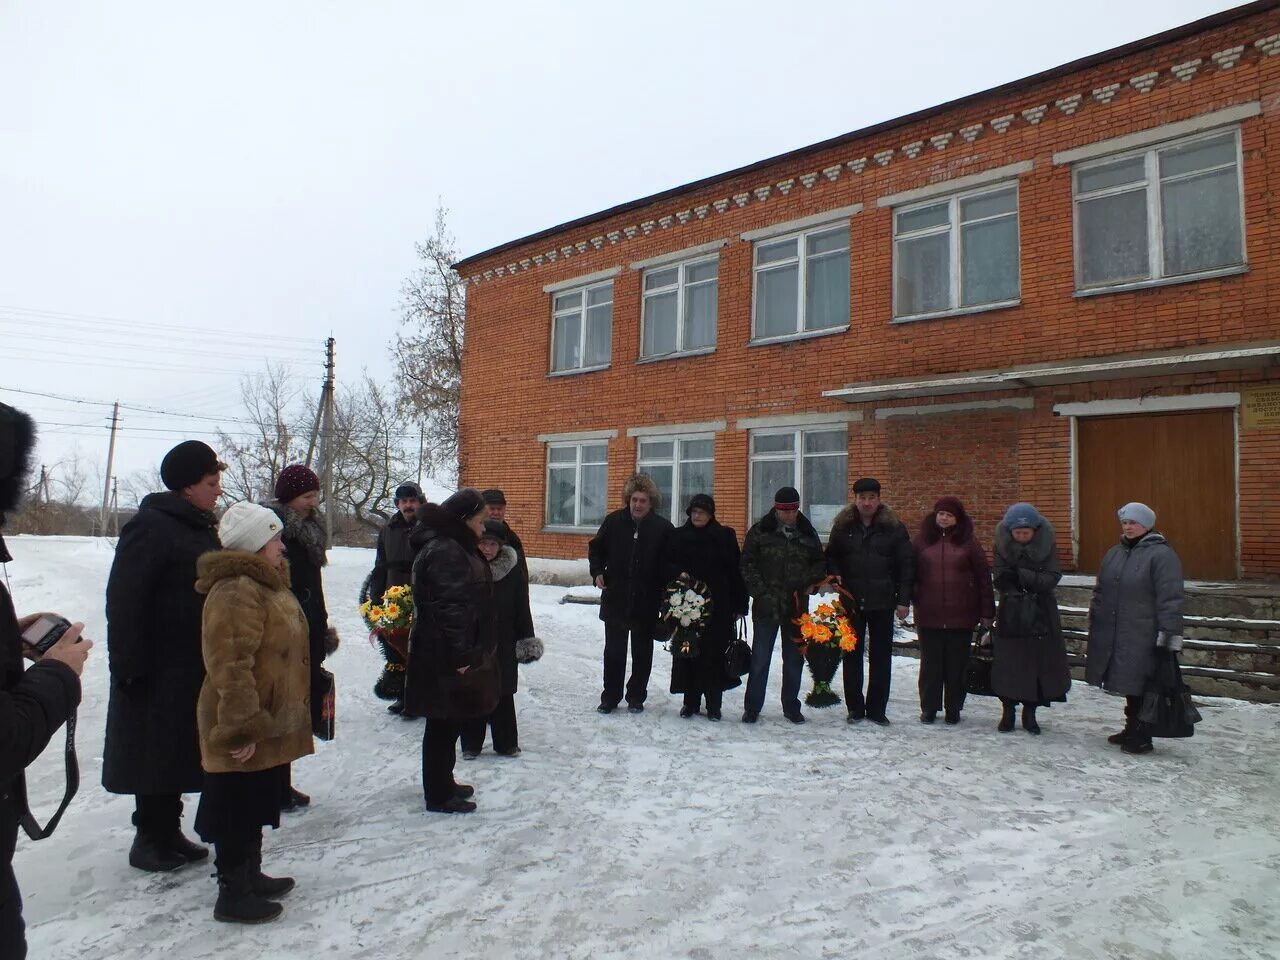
point(257, 686)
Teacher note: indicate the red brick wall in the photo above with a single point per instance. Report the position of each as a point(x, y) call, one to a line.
point(508, 399)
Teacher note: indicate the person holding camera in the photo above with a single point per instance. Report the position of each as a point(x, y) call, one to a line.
point(152, 749)
point(35, 702)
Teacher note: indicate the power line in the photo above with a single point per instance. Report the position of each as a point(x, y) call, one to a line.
point(296, 356)
point(93, 319)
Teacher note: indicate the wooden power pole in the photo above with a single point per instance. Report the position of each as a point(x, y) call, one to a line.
point(325, 419)
point(111, 456)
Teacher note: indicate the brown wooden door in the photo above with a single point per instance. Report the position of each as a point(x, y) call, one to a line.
point(1182, 465)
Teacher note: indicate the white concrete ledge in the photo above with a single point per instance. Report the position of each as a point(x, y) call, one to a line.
point(956, 185)
point(814, 220)
point(1166, 131)
point(799, 420)
point(1010, 403)
point(678, 429)
point(1106, 408)
point(580, 435)
point(582, 281)
point(678, 256)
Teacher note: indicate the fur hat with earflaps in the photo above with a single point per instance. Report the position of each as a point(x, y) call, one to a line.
point(641, 483)
point(17, 441)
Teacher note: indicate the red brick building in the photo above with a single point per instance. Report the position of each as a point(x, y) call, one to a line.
point(1059, 290)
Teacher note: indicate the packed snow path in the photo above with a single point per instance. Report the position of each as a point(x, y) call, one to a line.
point(651, 836)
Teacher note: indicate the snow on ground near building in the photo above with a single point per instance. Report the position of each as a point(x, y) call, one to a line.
point(651, 836)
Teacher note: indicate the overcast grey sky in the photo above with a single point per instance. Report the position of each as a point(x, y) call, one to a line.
point(188, 190)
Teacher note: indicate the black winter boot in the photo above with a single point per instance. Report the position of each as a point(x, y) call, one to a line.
point(154, 855)
point(1138, 743)
point(237, 903)
point(189, 851)
point(1029, 719)
point(260, 883)
point(1008, 717)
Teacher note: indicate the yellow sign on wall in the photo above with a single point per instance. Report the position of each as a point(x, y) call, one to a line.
point(1260, 407)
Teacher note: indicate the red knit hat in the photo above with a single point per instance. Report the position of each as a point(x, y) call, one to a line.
point(294, 481)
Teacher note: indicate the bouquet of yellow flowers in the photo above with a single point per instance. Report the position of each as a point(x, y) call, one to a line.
point(826, 635)
point(392, 618)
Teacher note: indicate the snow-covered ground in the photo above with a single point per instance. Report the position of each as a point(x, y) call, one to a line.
point(650, 836)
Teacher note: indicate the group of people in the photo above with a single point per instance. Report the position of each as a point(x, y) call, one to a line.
point(942, 573)
point(217, 631)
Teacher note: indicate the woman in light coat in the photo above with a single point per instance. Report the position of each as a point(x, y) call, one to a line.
point(254, 712)
point(1136, 610)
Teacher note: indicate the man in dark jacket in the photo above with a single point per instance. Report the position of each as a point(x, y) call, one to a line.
point(152, 747)
point(33, 703)
point(870, 551)
point(393, 567)
point(626, 563)
point(781, 557)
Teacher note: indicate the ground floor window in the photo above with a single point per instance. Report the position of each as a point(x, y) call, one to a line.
point(813, 460)
point(577, 483)
point(680, 466)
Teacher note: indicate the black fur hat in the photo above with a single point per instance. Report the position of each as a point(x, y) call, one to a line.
point(17, 441)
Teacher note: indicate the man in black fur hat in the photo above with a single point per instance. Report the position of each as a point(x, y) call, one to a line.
point(393, 567)
point(34, 703)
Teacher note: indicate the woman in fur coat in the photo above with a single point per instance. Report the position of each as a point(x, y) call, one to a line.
point(453, 667)
point(703, 549)
point(305, 543)
point(254, 712)
point(516, 642)
point(1029, 660)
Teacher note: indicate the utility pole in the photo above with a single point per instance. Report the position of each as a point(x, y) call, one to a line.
point(422, 444)
point(326, 412)
point(115, 506)
point(111, 456)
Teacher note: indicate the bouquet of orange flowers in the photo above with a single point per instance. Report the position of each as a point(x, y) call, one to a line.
point(391, 619)
point(825, 637)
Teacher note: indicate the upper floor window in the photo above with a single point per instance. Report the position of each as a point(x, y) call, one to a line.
point(1170, 211)
point(801, 283)
point(956, 253)
point(680, 305)
point(813, 460)
point(582, 328)
point(577, 477)
point(680, 466)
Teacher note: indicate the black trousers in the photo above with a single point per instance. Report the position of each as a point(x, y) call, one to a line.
point(944, 655)
point(13, 937)
point(157, 814)
point(233, 851)
point(439, 754)
point(615, 662)
point(715, 699)
point(502, 722)
point(875, 641)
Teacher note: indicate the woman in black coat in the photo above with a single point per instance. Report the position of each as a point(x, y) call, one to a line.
point(306, 544)
point(452, 674)
point(152, 747)
point(1029, 659)
point(703, 549)
point(514, 630)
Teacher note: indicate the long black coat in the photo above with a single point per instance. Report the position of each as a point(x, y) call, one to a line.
point(304, 543)
point(392, 558)
point(33, 705)
point(1029, 656)
point(709, 554)
point(630, 556)
point(876, 563)
point(454, 624)
point(513, 620)
point(153, 648)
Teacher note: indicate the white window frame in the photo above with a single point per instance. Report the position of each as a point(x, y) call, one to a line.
point(585, 290)
point(675, 462)
point(576, 445)
point(680, 286)
point(953, 228)
point(1155, 234)
point(802, 287)
point(796, 458)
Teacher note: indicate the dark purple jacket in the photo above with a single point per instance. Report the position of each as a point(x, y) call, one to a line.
point(953, 583)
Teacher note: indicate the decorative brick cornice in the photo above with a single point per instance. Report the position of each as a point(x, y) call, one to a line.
point(1103, 95)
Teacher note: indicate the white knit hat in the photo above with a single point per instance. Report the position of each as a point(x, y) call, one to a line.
point(248, 526)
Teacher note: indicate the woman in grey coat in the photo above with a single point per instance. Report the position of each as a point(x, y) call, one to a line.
point(1136, 611)
point(1029, 660)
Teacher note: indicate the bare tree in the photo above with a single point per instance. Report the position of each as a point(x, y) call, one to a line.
point(72, 476)
point(136, 485)
point(273, 435)
point(429, 352)
point(370, 452)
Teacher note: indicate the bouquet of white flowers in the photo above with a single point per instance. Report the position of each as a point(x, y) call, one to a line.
point(686, 611)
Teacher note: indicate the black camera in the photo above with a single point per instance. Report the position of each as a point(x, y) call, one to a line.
point(45, 632)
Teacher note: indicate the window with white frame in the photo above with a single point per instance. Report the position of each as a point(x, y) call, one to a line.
point(582, 327)
point(801, 283)
point(814, 460)
point(680, 304)
point(1169, 211)
point(577, 479)
point(957, 252)
point(680, 466)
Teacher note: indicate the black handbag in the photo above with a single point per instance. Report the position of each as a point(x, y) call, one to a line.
point(1167, 710)
point(737, 656)
point(978, 672)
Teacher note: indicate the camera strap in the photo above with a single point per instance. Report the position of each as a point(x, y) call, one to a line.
point(25, 817)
